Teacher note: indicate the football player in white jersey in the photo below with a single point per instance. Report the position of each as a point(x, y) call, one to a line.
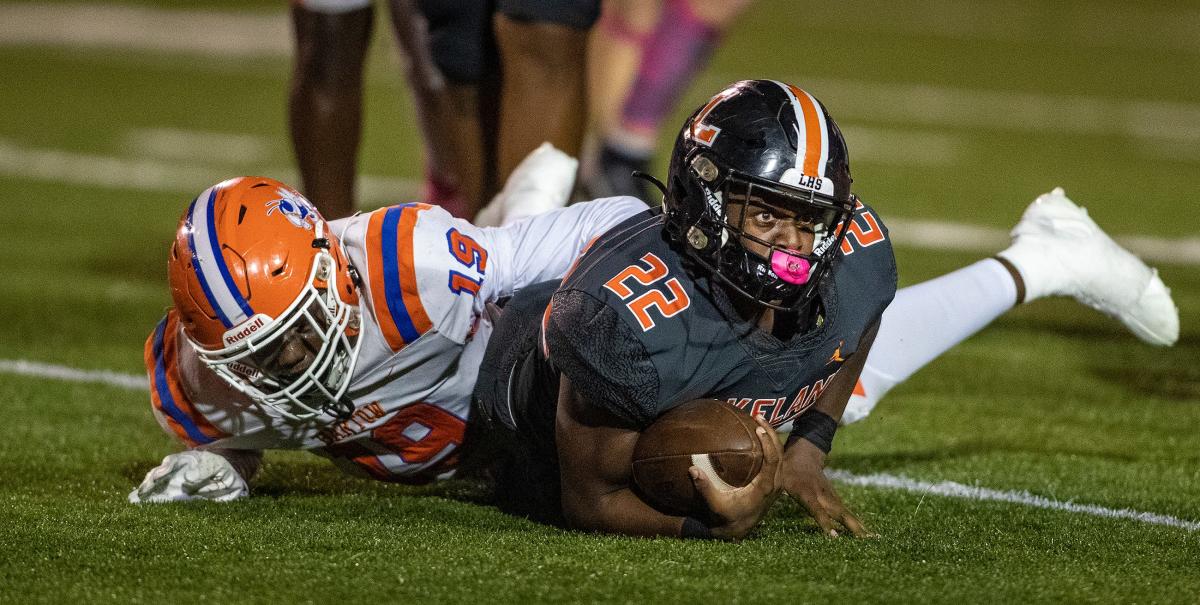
point(357, 339)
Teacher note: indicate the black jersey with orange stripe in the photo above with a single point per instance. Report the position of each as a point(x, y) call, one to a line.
point(639, 331)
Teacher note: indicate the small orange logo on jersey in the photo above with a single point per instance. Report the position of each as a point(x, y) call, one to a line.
point(837, 353)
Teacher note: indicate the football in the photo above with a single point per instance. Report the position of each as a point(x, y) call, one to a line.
point(706, 433)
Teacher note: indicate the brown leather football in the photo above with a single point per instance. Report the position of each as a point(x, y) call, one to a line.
point(707, 433)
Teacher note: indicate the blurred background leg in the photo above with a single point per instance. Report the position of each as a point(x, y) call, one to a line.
point(325, 104)
point(678, 47)
point(448, 55)
point(542, 47)
point(614, 54)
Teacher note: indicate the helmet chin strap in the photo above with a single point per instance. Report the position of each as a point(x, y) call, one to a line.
point(791, 268)
point(341, 409)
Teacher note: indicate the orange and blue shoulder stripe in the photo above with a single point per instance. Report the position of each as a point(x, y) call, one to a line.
point(393, 275)
point(167, 394)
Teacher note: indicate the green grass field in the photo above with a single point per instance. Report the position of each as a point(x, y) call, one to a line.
point(963, 112)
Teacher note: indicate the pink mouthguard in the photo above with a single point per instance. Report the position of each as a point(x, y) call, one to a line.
point(789, 267)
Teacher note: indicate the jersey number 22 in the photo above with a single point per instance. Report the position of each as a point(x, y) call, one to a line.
point(649, 271)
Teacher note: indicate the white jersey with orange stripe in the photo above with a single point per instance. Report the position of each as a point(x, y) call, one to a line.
point(426, 278)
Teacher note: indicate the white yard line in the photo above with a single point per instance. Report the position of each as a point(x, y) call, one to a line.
point(1177, 123)
point(948, 489)
point(198, 146)
point(56, 166)
point(945, 235)
point(900, 147)
point(951, 489)
point(189, 177)
point(69, 374)
point(229, 34)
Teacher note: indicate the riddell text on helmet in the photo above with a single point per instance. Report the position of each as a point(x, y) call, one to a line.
point(239, 333)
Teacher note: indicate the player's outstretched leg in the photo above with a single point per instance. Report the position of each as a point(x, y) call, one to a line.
point(1060, 251)
point(1057, 250)
point(926, 320)
point(540, 183)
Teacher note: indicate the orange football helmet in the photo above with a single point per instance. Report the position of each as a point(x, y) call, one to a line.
point(253, 264)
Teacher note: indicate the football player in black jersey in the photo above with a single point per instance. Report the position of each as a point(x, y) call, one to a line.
point(761, 282)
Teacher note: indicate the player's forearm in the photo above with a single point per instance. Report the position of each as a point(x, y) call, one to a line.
point(595, 461)
point(818, 425)
point(618, 512)
point(833, 407)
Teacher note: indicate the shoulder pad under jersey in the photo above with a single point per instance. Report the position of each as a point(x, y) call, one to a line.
point(172, 405)
point(421, 270)
point(620, 322)
point(865, 271)
point(605, 361)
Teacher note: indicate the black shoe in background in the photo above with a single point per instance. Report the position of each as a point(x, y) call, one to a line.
point(613, 176)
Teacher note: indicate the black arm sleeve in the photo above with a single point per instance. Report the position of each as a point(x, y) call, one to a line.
point(603, 357)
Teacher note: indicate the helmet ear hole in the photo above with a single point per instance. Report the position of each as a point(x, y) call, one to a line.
point(199, 304)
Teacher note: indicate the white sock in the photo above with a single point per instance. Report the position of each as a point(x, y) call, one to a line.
point(924, 321)
point(540, 183)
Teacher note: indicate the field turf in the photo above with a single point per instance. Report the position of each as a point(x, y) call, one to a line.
point(963, 112)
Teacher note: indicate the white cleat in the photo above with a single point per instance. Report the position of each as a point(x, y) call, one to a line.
point(541, 182)
point(1060, 251)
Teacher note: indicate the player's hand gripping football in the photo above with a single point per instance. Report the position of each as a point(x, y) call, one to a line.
point(191, 475)
point(740, 509)
point(803, 476)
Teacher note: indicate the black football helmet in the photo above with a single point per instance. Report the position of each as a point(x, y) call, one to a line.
point(775, 144)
